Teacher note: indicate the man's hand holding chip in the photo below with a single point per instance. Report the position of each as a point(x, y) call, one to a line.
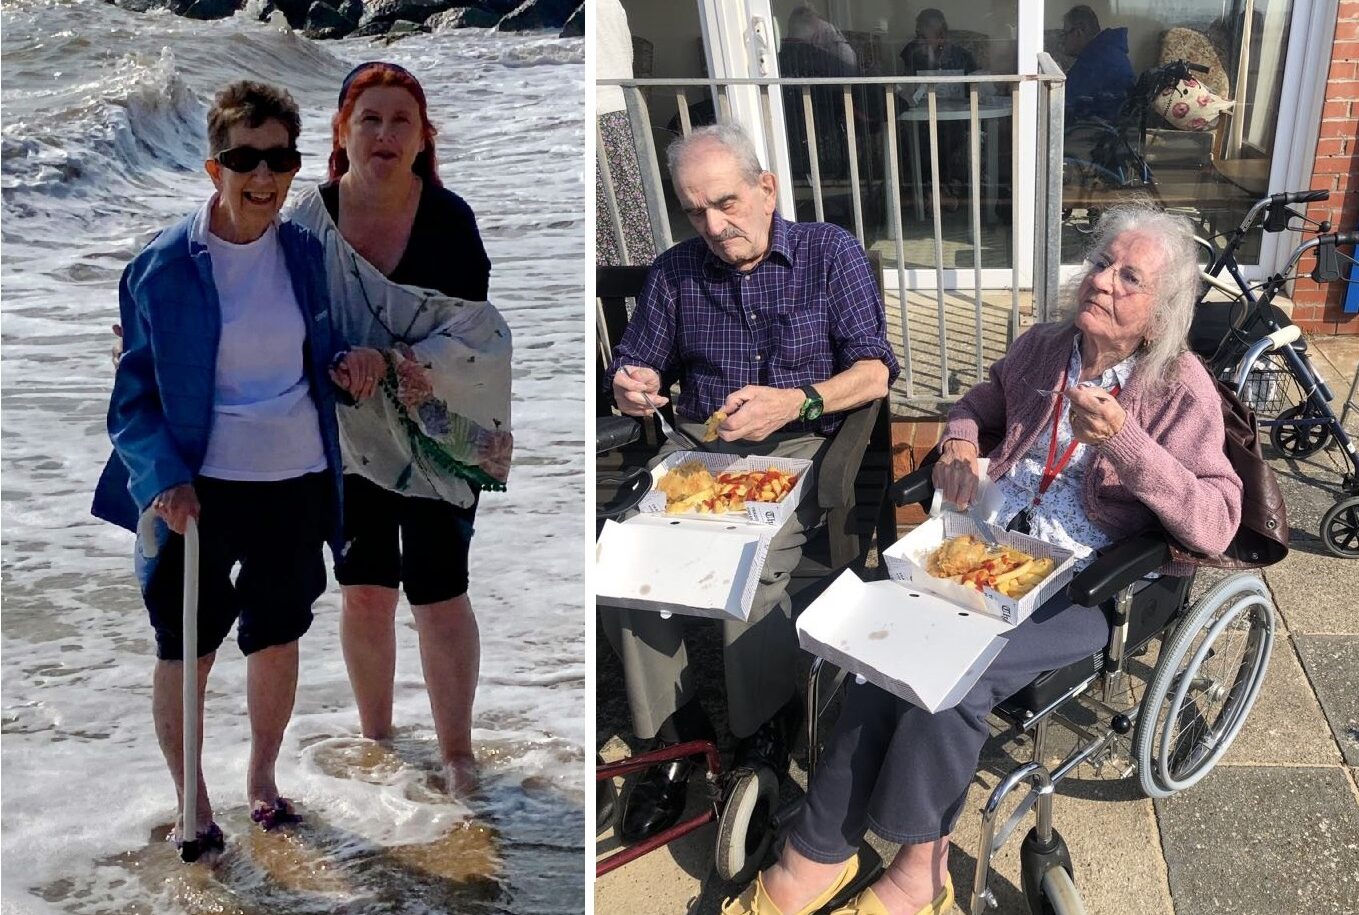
point(755, 412)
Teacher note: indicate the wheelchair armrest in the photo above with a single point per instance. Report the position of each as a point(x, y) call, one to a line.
point(840, 466)
point(917, 486)
point(616, 431)
point(1119, 567)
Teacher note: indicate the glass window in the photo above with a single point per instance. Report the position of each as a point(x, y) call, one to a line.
point(874, 38)
point(1141, 126)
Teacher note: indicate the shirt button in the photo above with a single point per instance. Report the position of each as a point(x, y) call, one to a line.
point(758, 357)
point(752, 316)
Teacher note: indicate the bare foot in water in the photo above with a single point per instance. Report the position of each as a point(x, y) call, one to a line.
point(460, 775)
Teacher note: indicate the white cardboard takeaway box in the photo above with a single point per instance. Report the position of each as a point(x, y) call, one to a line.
point(911, 643)
point(655, 562)
point(906, 564)
point(772, 514)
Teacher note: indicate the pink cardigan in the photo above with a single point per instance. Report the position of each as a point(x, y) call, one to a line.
point(1165, 465)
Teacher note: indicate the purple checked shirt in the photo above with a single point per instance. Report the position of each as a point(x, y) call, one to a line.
point(807, 312)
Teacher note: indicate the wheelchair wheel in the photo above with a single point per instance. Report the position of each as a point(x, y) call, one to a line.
point(1204, 685)
point(1298, 441)
point(744, 831)
point(1340, 528)
point(1059, 894)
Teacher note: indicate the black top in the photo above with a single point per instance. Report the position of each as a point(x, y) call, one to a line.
point(445, 250)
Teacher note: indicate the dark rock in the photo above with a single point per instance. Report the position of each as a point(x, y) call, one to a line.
point(370, 29)
point(205, 9)
point(388, 11)
point(352, 10)
point(500, 8)
point(326, 22)
point(295, 11)
point(575, 26)
point(404, 27)
point(538, 14)
point(467, 17)
point(138, 6)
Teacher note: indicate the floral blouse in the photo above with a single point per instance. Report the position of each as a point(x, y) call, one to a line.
point(1060, 517)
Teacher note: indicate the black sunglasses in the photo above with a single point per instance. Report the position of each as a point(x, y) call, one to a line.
point(245, 159)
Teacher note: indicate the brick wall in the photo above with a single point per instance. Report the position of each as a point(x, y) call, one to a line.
point(1319, 308)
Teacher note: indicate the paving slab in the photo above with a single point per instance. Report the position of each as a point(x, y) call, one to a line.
point(1253, 840)
point(1332, 664)
point(1286, 726)
point(1315, 591)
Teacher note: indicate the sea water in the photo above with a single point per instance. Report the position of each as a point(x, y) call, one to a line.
point(103, 143)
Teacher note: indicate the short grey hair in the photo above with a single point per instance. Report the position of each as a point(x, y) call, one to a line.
point(730, 137)
point(1176, 289)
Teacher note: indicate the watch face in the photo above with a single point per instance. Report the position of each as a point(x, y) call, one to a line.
point(812, 407)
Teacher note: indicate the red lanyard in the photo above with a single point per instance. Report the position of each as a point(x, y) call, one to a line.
point(1055, 465)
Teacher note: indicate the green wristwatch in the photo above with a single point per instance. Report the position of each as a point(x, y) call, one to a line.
point(812, 407)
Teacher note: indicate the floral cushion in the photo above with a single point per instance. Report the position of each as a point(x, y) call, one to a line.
point(1189, 105)
point(1187, 44)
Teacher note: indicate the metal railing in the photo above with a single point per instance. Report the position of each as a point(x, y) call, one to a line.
point(771, 95)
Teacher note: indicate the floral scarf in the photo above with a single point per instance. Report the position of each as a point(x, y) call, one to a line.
point(457, 437)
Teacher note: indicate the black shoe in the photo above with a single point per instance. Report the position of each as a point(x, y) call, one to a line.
point(772, 742)
point(656, 801)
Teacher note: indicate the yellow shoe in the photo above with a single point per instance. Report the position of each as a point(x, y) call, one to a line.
point(755, 901)
point(868, 903)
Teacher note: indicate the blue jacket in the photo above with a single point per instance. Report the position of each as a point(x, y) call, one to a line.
point(160, 413)
point(1099, 79)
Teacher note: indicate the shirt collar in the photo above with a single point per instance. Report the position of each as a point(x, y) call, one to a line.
point(779, 243)
point(202, 223)
point(1119, 373)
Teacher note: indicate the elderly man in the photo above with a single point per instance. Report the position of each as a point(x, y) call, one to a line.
point(1098, 81)
point(780, 326)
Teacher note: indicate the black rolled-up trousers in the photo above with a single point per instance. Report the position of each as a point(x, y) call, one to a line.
point(904, 773)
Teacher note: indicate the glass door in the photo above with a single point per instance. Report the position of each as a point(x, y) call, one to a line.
point(1206, 142)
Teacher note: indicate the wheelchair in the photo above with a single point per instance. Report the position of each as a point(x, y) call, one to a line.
point(1212, 658)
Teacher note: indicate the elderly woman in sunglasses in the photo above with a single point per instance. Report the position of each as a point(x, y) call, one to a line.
point(1097, 427)
point(431, 429)
point(223, 410)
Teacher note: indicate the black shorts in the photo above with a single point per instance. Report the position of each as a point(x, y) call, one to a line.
point(275, 530)
point(430, 556)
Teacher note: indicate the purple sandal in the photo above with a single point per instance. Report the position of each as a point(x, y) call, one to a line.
point(210, 839)
point(271, 816)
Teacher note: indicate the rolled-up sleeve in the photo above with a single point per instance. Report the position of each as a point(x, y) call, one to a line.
point(858, 320)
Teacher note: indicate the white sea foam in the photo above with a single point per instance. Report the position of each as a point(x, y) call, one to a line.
point(102, 146)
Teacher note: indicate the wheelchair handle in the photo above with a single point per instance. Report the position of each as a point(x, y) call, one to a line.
point(1300, 196)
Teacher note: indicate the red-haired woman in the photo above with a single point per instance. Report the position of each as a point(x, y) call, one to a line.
point(408, 275)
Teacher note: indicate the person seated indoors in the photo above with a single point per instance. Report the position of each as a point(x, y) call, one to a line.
point(1099, 78)
point(932, 49)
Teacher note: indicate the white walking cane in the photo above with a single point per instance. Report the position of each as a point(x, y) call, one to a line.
point(189, 849)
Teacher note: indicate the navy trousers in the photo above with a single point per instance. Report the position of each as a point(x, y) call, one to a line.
point(903, 772)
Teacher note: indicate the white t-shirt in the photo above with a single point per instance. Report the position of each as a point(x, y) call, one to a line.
point(264, 425)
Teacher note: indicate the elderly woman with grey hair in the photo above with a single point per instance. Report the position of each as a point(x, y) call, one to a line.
point(1097, 427)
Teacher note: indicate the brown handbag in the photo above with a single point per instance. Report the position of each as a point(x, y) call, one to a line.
point(1261, 538)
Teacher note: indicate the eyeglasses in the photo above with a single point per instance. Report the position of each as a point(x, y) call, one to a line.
point(1129, 279)
point(245, 159)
